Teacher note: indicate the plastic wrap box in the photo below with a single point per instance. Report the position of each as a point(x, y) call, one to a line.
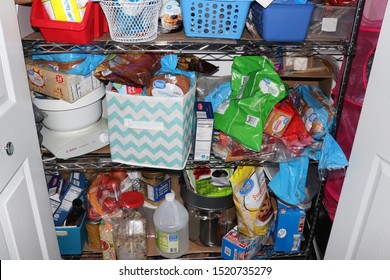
point(150, 131)
point(71, 239)
point(288, 232)
point(282, 22)
point(331, 22)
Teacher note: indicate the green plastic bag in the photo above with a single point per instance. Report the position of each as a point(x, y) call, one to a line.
point(256, 88)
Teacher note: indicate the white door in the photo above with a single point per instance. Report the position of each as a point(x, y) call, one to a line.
point(361, 228)
point(26, 224)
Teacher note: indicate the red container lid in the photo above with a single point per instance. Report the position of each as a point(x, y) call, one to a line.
point(131, 199)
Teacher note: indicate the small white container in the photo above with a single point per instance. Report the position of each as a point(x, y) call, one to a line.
point(171, 227)
point(64, 116)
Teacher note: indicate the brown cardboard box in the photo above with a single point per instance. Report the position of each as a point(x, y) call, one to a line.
point(59, 85)
point(319, 75)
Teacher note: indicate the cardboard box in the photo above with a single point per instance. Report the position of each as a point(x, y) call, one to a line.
point(59, 85)
point(150, 131)
point(155, 193)
point(75, 189)
point(288, 232)
point(203, 130)
point(234, 249)
point(71, 239)
point(319, 75)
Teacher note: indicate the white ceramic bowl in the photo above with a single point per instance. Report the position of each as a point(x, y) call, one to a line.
point(64, 116)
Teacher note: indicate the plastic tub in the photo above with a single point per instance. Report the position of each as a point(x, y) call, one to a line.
point(282, 22)
point(331, 22)
point(65, 116)
point(83, 32)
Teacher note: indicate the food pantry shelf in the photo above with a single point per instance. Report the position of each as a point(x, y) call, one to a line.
point(179, 43)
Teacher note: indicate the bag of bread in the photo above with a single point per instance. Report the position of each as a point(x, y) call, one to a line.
point(132, 69)
point(316, 110)
point(170, 81)
point(252, 200)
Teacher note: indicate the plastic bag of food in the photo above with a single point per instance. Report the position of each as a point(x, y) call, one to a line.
point(71, 63)
point(295, 136)
point(235, 151)
point(193, 63)
point(256, 89)
point(211, 182)
point(170, 80)
point(205, 85)
point(252, 200)
point(133, 69)
point(316, 110)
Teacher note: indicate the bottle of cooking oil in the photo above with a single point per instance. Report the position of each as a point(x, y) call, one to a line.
point(171, 225)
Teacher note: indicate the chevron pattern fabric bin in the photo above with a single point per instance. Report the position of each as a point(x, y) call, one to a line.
point(150, 131)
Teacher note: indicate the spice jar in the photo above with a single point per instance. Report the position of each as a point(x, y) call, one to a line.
point(130, 229)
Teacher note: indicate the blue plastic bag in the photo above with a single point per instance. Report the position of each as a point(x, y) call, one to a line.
point(89, 64)
point(290, 182)
point(217, 96)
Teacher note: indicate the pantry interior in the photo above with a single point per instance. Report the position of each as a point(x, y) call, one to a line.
point(220, 53)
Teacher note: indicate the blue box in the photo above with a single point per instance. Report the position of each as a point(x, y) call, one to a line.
point(71, 239)
point(234, 249)
point(156, 193)
point(282, 22)
point(75, 189)
point(290, 221)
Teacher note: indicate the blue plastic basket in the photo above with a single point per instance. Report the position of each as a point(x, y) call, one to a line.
point(282, 22)
point(214, 19)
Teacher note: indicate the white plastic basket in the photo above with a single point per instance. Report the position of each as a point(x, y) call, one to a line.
point(132, 21)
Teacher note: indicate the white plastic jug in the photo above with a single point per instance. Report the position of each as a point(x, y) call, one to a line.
point(171, 225)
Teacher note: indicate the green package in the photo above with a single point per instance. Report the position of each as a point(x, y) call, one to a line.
point(256, 88)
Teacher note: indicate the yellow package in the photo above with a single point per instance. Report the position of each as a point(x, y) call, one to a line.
point(252, 200)
point(64, 10)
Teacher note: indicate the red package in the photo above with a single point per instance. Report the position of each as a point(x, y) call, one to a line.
point(295, 137)
point(341, 3)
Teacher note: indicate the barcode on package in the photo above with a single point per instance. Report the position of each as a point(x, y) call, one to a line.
point(252, 120)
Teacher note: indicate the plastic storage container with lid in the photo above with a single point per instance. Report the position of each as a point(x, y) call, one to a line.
point(130, 229)
point(171, 225)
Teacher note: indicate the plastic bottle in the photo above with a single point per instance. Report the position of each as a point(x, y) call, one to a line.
point(75, 215)
point(130, 228)
point(171, 225)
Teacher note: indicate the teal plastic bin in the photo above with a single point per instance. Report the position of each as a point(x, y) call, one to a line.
point(71, 239)
point(287, 22)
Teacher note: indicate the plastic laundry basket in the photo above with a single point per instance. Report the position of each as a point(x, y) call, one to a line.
point(132, 21)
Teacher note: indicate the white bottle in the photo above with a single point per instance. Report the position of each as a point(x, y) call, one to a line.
point(171, 225)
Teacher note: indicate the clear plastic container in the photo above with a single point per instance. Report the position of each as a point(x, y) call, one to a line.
point(171, 227)
point(130, 229)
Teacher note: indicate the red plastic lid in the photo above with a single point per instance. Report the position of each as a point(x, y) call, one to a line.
point(131, 199)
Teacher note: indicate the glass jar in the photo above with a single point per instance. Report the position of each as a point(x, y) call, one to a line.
point(153, 177)
point(130, 228)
